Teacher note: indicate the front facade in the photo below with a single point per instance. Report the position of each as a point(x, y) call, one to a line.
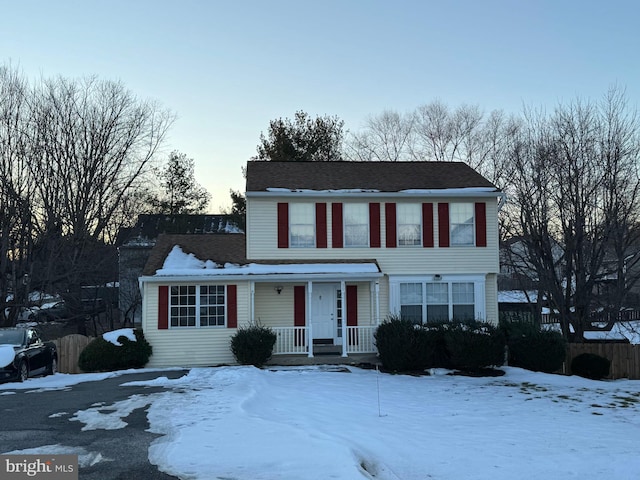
point(331, 250)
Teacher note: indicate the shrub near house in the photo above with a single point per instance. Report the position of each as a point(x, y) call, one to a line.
point(468, 346)
point(117, 350)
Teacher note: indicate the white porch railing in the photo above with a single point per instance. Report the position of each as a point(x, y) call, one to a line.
point(360, 339)
point(295, 340)
point(292, 340)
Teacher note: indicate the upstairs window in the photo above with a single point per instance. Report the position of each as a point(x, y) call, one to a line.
point(302, 225)
point(409, 220)
point(356, 224)
point(462, 223)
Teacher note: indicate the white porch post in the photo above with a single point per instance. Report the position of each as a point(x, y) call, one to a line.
point(252, 306)
point(377, 302)
point(345, 340)
point(308, 320)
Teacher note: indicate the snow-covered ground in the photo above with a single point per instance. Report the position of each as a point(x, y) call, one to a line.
point(347, 423)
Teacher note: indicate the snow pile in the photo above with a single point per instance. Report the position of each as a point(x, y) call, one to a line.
point(7, 354)
point(181, 263)
point(114, 335)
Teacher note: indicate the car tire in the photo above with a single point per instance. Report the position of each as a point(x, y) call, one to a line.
point(23, 371)
point(52, 368)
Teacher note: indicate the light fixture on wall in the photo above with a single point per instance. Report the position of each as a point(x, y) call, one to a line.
point(278, 289)
point(437, 277)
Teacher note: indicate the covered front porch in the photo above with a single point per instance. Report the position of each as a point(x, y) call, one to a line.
point(329, 315)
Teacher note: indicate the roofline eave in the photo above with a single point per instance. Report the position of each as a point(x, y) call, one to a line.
point(270, 277)
point(433, 193)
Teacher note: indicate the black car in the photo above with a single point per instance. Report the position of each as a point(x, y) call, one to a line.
point(31, 355)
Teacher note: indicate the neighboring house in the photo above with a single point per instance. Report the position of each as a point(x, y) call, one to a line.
point(331, 250)
point(135, 246)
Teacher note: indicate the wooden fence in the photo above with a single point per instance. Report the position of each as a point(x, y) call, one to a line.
point(624, 358)
point(69, 349)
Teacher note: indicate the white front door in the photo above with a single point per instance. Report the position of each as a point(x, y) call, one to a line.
point(323, 310)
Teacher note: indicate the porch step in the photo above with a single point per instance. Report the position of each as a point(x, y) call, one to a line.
point(327, 349)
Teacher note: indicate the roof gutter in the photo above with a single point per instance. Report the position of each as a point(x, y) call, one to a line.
point(271, 277)
point(461, 193)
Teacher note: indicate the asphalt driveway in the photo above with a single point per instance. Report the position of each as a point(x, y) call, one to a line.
point(31, 419)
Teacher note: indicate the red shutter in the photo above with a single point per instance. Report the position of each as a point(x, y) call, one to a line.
point(321, 225)
point(232, 306)
point(336, 225)
point(427, 224)
point(390, 223)
point(163, 307)
point(283, 225)
point(481, 224)
point(299, 312)
point(374, 225)
point(443, 224)
point(352, 312)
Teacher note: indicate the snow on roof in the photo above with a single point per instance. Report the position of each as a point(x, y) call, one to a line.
point(181, 263)
point(411, 191)
point(307, 190)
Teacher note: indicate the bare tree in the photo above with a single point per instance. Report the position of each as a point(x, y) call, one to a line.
point(92, 142)
point(16, 193)
point(574, 202)
point(386, 137)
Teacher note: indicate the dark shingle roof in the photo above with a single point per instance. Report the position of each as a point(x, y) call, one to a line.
point(380, 176)
point(219, 248)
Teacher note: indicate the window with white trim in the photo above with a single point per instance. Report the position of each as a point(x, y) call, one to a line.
point(461, 217)
point(197, 305)
point(302, 225)
point(409, 224)
point(431, 301)
point(356, 224)
point(437, 302)
point(411, 304)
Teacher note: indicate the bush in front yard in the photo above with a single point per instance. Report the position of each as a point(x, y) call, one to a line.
point(103, 356)
point(402, 345)
point(253, 345)
point(474, 345)
point(590, 365)
point(533, 349)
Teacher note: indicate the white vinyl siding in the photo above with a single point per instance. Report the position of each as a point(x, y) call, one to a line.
point(189, 347)
point(262, 244)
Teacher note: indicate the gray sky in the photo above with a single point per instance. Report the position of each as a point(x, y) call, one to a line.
point(228, 68)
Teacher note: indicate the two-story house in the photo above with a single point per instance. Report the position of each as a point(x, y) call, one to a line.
point(331, 250)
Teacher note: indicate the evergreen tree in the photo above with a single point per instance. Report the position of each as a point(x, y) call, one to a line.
point(303, 139)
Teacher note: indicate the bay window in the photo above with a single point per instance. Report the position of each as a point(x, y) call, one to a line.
point(424, 299)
